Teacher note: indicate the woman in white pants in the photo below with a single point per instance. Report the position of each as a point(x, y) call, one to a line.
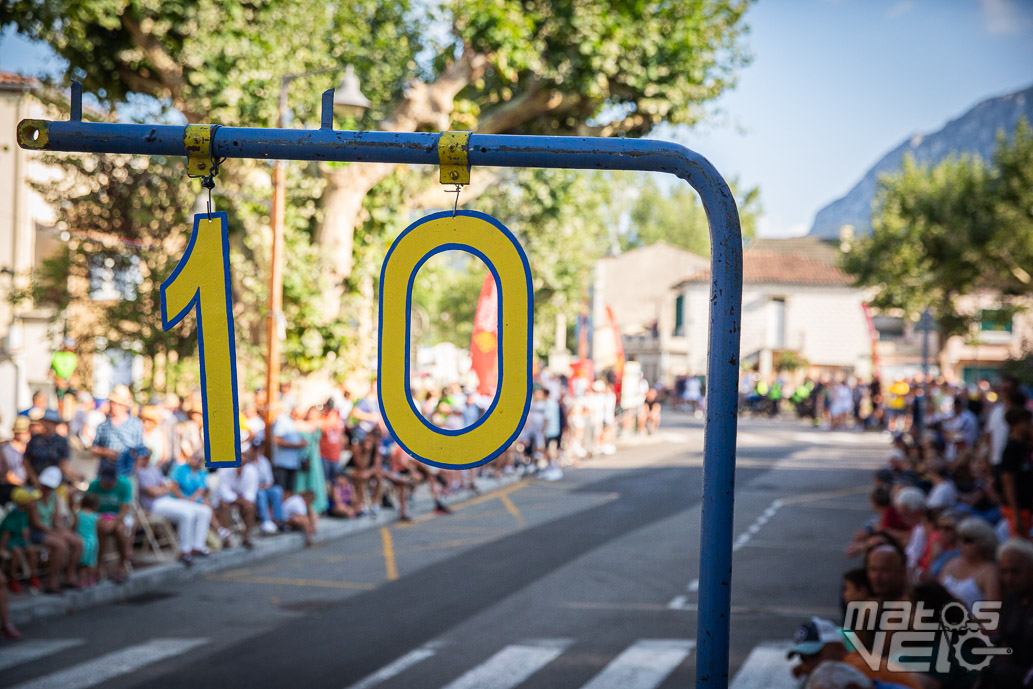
point(192, 519)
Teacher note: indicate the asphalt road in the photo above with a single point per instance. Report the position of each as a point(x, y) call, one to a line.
point(588, 582)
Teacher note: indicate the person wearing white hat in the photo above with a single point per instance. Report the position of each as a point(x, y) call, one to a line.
point(47, 527)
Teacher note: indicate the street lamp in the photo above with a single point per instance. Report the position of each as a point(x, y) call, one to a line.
point(348, 101)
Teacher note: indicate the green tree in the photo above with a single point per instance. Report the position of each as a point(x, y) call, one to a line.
point(946, 231)
point(676, 216)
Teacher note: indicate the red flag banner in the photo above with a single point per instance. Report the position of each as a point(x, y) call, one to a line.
point(484, 345)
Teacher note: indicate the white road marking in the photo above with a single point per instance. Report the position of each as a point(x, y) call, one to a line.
point(766, 668)
point(112, 665)
point(693, 586)
point(677, 602)
point(26, 651)
point(512, 665)
point(643, 665)
point(398, 666)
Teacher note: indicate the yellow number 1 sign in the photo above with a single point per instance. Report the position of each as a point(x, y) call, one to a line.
point(201, 283)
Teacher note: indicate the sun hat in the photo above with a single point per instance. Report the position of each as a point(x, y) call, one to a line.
point(22, 496)
point(121, 395)
point(21, 425)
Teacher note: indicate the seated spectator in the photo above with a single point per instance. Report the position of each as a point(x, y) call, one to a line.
point(164, 498)
point(14, 539)
point(86, 527)
point(886, 568)
point(47, 527)
point(238, 487)
point(910, 503)
point(341, 498)
point(269, 499)
point(943, 544)
point(48, 448)
point(886, 519)
point(933, 597)
point(819, 641)
point(115, 495)
point(855, 586)
point(120, 431)
point(1015, 630)
point(300, 515)
point(191, 483)
point(943, 494)
point(14, 470)
point(972, 575)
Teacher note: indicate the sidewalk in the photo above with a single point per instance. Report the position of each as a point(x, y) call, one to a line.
point(26, 608)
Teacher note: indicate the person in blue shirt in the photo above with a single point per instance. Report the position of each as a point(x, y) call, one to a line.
point(190, 482)
point(287, 454)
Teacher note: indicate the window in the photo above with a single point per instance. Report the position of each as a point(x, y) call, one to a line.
point(679, 316)
point(778, 324)
point(995, 321)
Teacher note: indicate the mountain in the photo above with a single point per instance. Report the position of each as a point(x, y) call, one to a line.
point(973, 132)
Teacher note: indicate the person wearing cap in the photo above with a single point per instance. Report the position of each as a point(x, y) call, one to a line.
point(14, 470)
point(120, 431)
point(47, 528)
point(160, 496)
point(115, 495)
point(14, 539)
point(818, 641)
point(49, 449)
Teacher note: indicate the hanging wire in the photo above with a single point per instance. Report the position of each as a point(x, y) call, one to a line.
point(208, 182)
point(455, 206)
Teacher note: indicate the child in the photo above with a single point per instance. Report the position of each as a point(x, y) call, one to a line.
point(86, 525)
point(300, 515)
point(14, 538)
point(341, 498)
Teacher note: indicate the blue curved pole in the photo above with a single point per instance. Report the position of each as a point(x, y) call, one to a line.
point(487, 150)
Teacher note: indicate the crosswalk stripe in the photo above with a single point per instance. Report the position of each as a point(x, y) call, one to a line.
point(397, 667)
point(643, 665)
point(512, 665)
point(25, 651)
point(766, 668)
point(112, 665)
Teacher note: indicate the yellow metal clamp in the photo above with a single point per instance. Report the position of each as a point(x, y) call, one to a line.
point(197, 139)
point(453, 156)
point(33, 133)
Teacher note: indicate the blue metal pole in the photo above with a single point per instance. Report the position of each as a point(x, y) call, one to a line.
point(544, 152)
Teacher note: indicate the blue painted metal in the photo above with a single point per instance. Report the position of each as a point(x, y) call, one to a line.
point(545, 152)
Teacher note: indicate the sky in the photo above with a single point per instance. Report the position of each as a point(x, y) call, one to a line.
point(833, 85)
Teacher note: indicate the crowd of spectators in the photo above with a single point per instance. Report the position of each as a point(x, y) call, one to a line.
point(76, 481)
point(951, 527)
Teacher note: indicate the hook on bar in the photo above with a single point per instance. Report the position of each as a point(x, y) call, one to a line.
point(76, 101)
point(326, 118)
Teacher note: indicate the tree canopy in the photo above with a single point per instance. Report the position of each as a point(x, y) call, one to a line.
point(944, 231)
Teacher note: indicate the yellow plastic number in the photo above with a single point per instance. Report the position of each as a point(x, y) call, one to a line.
point(201, 282)
point(486, 238)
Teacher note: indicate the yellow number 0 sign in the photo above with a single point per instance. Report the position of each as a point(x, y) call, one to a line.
point(201, 282)
point(486, 238)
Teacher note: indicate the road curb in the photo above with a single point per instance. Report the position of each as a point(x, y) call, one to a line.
point(26, 609)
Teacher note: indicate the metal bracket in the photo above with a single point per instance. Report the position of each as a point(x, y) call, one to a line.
point(454, 157)
point(34, 134)
point(197, 139)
